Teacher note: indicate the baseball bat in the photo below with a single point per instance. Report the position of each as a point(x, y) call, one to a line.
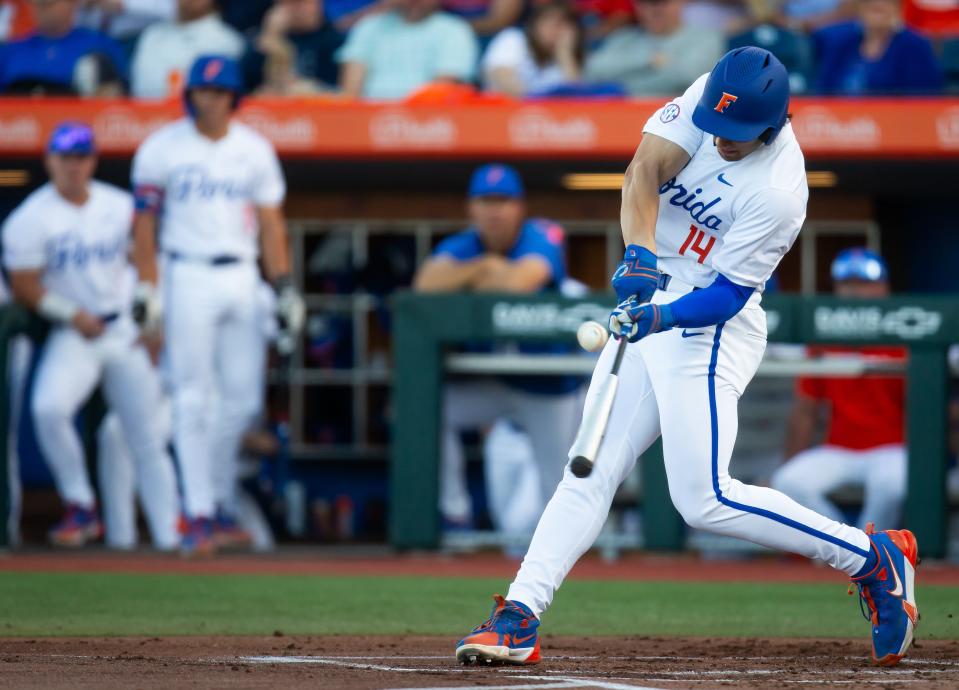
point(595, 417)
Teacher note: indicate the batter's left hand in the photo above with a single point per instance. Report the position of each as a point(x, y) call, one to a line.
point(634, 321)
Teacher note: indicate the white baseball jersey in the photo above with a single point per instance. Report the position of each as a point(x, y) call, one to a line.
point(209, 189)
point(81, 249)
point(716, 216)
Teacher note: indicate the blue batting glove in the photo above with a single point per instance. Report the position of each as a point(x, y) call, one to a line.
point(634, 321)
point(636, 275)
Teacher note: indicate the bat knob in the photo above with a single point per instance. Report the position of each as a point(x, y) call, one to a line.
point(581, 467)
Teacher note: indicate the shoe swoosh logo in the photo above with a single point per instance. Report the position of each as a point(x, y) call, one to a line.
point(724, 180)
point(897, 591)
point(521, 640)
point(690, 335)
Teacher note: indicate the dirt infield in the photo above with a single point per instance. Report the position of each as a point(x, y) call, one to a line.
point(378, 663)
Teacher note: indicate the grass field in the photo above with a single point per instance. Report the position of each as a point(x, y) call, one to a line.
point(112, 604)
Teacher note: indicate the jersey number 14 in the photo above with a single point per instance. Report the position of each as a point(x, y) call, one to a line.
point(694, 243)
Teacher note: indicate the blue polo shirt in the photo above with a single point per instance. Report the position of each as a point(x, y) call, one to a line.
point(538, 237)
point(52, 60)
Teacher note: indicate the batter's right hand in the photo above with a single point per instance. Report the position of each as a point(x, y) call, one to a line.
point(88, 325)
point(636, 275)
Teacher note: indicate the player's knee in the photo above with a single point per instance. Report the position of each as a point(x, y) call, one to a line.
point(242, 411)
point(697, 507)
point(48, 409)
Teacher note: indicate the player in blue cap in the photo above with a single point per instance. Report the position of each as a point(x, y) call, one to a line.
point(65, 249)
point(501, 251)
point(713, 199)
point(209, 197)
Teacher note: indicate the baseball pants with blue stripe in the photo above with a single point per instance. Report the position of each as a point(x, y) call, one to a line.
point(685, 385)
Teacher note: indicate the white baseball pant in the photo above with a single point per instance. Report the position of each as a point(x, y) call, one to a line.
point(70, 369)
point(549, 420)
point(215, 348)
point(811, 475)
point(118, 482)
point(684, 384)
point(20, 353)
point(512, 480)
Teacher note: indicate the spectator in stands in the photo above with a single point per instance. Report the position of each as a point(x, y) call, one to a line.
point(16, 20)
point(723, 15)
point(124, 20)
point(809, 15)
point(344, 14)
point(166, 50)
point(502, 251)
point(59, 58)
point(389, 56)
point(246, 16)
point(875, 54)
point(864, 440)
point(767, 28)
point(662, 56)
point(487, 17)
point(547, 53)
point(295, 51)
point(599, 18)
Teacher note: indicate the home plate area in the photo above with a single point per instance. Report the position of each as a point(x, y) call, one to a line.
point(381, 663)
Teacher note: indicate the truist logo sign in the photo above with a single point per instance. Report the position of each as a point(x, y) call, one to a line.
point(402, 129)
point(947, 128)
point(288, 133)
point(822, 127)
point(535, 128)
point(517, 318)
point(864, 323)
point(20, 132)
point(122, 127)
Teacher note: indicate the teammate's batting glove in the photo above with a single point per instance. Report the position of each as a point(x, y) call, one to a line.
point(290, 315)
point(147, 307)
point(636, 275)
point(634, 321)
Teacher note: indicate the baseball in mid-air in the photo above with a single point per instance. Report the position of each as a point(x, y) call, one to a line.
point(592, 336)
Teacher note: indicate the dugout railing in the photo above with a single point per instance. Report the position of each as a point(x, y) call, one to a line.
point(428, 326)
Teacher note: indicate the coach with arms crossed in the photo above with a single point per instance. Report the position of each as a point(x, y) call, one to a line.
point(501, 251)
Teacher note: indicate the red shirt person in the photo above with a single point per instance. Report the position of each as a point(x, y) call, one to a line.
point(864, 442)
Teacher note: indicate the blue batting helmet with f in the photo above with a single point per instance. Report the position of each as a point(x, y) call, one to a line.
point(214, 71)
point(746, 97)
point(859, 263)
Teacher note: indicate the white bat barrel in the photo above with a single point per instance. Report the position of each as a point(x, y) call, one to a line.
point(583, 452)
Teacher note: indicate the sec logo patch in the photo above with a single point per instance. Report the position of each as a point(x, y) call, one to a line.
point(670, 113)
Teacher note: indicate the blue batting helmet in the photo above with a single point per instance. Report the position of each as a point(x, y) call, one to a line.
point(746, 97)
point(859, 263)
point(214, 71)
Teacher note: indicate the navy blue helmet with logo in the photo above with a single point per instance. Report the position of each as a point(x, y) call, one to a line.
point(746, 97)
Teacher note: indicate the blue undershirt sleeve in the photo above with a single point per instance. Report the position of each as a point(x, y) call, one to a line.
point(714, 304)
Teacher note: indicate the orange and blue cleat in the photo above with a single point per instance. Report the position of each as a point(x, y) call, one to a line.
point(197, 540)
point(78, 526)
point(889, 592)
point(509, 636)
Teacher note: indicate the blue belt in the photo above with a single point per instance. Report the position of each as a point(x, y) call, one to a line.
point(112, 316)
point(218, 260)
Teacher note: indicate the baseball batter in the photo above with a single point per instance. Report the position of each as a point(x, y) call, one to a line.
point(214, 189)
point(65, 248)
point(712, 200)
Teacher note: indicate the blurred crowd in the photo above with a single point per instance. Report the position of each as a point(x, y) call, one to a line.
point(458, 49)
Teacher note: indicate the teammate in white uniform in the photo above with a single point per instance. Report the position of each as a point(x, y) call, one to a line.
point(717, 188)
point(65, 248)
point(214, 189)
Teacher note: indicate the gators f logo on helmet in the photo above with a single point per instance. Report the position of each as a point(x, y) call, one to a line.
point(725, 101)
